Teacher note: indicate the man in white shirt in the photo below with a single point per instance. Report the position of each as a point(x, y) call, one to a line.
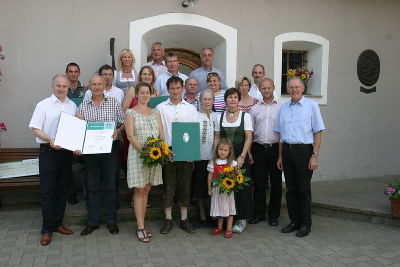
point(158, 63)
point(178, 174)
point(107, 73)
point(258, 73)
point(264, 155)
point(55, 163)
point(173, 70)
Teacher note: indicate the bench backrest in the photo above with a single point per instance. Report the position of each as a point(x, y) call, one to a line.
point(16, 154)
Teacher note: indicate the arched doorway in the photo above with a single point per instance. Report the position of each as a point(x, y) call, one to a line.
point(189, 59)
point(186, 31)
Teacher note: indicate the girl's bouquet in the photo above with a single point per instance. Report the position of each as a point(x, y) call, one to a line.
point(154, 151)
point(304, 73)
point(230, 180)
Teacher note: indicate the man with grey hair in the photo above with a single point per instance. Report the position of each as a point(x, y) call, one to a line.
point(157, 62)
point(300, 126)
point(191, 92)
point(55, 163)
point(207, 59)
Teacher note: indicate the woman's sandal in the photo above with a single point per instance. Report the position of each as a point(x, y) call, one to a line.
point(149, 234)
point(142, 235)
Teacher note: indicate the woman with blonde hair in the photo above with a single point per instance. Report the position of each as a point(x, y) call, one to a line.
point(125, 76)
point(214, 83)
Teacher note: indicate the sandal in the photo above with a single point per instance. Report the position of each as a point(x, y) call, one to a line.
point(149, 234)
point(142, 235)
point(132, 205)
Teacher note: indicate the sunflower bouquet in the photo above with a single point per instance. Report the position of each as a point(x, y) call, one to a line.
point(230, 179)
point(154, 152)
point(303, 73)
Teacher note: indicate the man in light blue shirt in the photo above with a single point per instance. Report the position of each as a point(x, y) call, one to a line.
point(207, 58)
point(172, 61)
point(300, 126)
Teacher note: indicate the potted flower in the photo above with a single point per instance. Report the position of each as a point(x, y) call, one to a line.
point(393, 191)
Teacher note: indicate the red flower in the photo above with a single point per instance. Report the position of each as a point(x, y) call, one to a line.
point(3, 126)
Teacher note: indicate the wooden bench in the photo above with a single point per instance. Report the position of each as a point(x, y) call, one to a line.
point(19, 184)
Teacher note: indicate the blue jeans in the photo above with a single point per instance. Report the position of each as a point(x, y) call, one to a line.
point(102, 168)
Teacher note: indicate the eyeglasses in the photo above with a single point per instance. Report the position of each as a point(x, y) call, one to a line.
point(295, 87)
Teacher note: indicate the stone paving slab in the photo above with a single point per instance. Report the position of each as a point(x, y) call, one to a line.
point(332, 242)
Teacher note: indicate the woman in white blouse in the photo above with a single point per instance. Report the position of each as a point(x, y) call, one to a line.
point(200, 173)
point(236, 126)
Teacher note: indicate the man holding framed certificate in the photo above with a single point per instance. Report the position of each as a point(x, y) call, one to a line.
point(178, 174)
point(101, 108)
point(55, 163)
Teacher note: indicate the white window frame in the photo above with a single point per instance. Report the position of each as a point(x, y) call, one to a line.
point(317, 48)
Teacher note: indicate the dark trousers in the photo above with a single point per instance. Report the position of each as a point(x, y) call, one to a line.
point(265, 159)
point(55, 168)
point(295, 160)
point(102, 168)
point(177, 176)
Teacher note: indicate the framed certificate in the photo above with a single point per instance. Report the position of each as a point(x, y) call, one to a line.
point(186, 141)
point(88, 137)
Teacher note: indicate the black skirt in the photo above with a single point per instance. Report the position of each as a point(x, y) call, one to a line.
point(199, 180)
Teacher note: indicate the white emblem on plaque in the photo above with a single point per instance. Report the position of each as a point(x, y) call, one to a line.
point(186, 137)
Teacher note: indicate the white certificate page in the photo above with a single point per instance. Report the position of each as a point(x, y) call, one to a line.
point(98, 137)
point(70, 132)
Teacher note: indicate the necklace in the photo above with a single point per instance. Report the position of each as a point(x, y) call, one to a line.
point(232, 113)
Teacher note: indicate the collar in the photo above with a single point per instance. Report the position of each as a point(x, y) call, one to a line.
point(79, 86)
point(105, 98)
point(195, 97)
point(169, 73)
point(153, 63)
point(182, 102)
point(301, 101)
point(212, 69)
point(54, 99)
point(273, 100)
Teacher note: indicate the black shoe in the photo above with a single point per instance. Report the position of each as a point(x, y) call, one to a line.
point(273, 222)
point(72, 200)
point(167, 227)
point(291, 227)
point(113, 228)
point(256, 219)
point(89, 229)
point(303, 231)
point(187, 227)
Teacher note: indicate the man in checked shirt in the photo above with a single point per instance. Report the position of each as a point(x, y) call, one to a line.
point(102, 108)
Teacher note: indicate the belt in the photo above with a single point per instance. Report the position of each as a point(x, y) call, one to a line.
point(266, 146)
point(47, 145)
point(294, 146)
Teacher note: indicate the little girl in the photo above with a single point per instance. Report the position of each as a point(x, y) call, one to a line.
point(222, 205)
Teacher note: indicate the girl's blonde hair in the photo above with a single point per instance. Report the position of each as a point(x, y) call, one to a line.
point(231, 155)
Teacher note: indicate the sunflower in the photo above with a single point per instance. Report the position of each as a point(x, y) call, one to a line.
point(239, 178)
point(228, 183)
point(155, 153)
point(229, 169)
point(165, 148)
point(151, 141)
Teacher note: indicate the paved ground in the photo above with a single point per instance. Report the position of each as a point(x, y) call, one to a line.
point(333, 242)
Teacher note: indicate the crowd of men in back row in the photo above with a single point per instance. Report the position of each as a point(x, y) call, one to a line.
point(55, 163)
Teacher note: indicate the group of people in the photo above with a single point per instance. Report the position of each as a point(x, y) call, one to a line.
point(244, 126)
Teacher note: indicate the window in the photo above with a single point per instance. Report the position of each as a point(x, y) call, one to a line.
point(310, 50)
point(291, 59)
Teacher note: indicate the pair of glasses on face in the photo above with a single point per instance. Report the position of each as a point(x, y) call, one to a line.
point(295, 87)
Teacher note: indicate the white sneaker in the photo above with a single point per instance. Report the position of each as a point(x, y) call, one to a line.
point(239, 226)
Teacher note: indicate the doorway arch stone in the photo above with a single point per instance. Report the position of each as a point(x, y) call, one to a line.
point(189, 31)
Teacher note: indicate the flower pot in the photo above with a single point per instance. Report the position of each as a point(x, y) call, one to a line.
point(395, 207)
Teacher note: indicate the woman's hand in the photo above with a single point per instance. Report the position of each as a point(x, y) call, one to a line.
point(240, 161)
point(209, 192)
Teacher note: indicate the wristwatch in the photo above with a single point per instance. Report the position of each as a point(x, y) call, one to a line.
point(315, 154)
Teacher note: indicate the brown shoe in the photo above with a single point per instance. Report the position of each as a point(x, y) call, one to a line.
point(45, 239)
point(89, 229)
point(65, 231)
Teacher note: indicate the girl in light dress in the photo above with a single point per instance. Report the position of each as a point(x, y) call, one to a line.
point(222, 204)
